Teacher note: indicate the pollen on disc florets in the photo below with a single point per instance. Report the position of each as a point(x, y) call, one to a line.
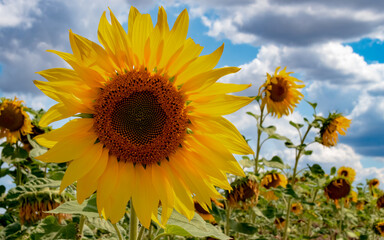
point(140, 117)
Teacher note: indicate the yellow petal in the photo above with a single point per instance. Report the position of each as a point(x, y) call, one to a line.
point(142, 27)
point(60, 74)
point(55, 113)
point(69, 148)
point(206, 79)
point(200, 65)
point(222, 131)
point(82, 165)
point(88, 183)
point(219, 105)
point(49, 139)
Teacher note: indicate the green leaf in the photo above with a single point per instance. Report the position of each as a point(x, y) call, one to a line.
point(21, 153)
point(39, 183)
point(243, 227)
point(313, 105)
point(269, 212)
point(197, 227)
point(316, 169)
point(308, 152)
point(49, 229)
point(296, 125)
point(289, 144)
point(8, 150)
point(37, 150)
point(88, 208)
point(333, 171)
point(253, 115)
point(11, 231)
point(275, 162)
point(257, 211)
point(246, 162)
point(289, 191)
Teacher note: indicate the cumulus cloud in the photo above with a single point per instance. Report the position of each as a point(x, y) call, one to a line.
point(295, 23)
point(18, 13)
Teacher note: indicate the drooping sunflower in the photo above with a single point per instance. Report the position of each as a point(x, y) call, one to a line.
point(378, 227)
point(335, 123)
point(148, 120)
point(347, 172)
point(272, 180)
point(14, 121)
point(296, 208)
point(280, 93)
point(380, 202)
point(337, 189)
point(245, 192)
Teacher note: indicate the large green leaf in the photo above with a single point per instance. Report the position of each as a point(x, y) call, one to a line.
point(275, 162)
point(197, 227)
point(243, 227)
point(88, 208)
point(49, 229)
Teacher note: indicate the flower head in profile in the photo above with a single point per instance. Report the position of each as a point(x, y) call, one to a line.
point(335, 123)
point(380, 202)
point(148, 123)
point(245, 193)
point(14, 121)
point(272, 180)
point(347, 172)
point(280, 93)
point(378, 227)
point(374, 183)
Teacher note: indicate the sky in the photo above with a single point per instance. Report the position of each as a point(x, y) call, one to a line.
point(335, 47)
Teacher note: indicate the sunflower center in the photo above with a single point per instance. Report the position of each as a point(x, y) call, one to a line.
point(279, 90)
point(344, 173)
point(140, 118)
point(11, 118)
point(338, 189)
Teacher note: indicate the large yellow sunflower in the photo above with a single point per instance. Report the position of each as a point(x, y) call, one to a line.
point(335, 123)
point(347, 172)
point(150, 125)
point(272, 180)
point(280, 94)
point(14, 121)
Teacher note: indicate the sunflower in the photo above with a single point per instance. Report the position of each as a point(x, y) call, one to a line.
point(347, 172)
point(338, 188)
point(380, 202)
point(360, 205)
point(279, 223)
point(272, 180)
point(378, 227)
point(335, 123)
point(374, 183)
point(296, 208)
point(245, 193)
point(148, 123)
point(204, 213)
point(14, 121)
point(280, 93)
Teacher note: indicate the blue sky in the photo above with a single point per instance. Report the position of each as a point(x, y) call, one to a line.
point(335, 48)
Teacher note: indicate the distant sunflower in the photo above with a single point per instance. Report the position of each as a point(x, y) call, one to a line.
point(272, 180)
point(351, 198)
point(279, 223)
point(335, 123)
point(380, 202)
point(296, 208)
point(337, 189)
point(204, 213)
point(360, 205)
point(245, 193)
point(150, 125)
point(347, 172)
point(378, 227)
point(280, 93)
point(14, 121)
point(374, 183)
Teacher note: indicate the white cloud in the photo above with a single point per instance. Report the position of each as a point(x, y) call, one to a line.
point(18, 13)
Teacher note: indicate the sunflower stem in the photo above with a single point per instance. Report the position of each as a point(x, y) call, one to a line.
point(227, 217)
point(81, 226)
point(141, 231)
point(133, 223)
point(18, 175)
point(298, 155)
point(117, 231)
point(161, 235)
point(258, 145)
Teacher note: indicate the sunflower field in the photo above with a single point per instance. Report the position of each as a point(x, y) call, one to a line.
point(145, 152)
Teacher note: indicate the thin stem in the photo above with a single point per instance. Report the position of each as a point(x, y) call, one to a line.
point(133, 224)
point(258, 145)
point(18, 175)
point(150, 232)
point(298, 155)
point(141, 233)
point(117, 231)
point(227, 217)
point(81, 226)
